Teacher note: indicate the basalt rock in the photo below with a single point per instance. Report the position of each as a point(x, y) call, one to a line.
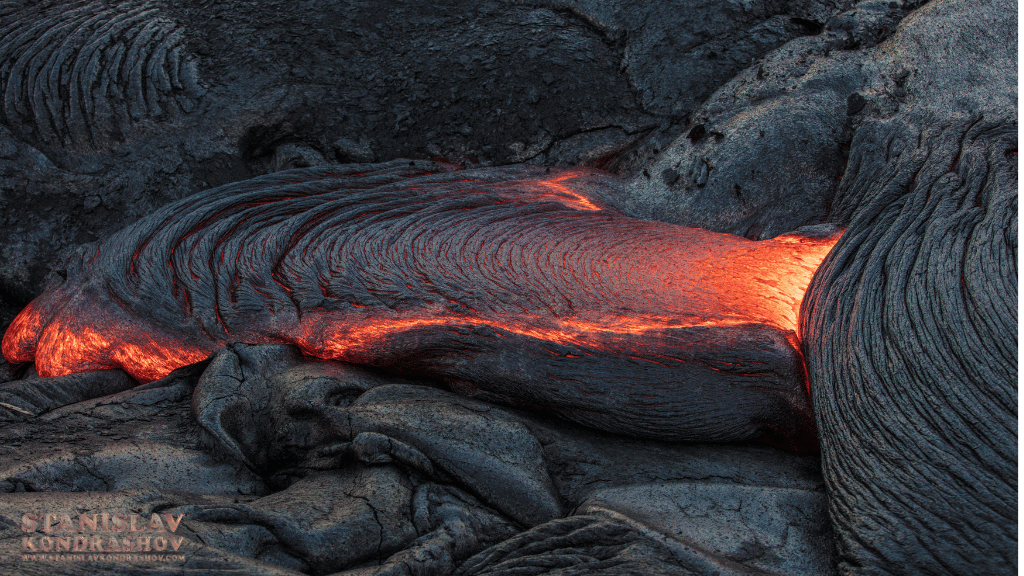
point(408, 477)
point(767, 152)
point(34, 396)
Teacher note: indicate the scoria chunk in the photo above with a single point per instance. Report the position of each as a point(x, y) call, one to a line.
point(519, 284)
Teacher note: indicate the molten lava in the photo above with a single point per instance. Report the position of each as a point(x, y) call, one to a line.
point(448, 274)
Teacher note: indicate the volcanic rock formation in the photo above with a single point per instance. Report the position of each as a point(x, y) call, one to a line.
point(762, 119)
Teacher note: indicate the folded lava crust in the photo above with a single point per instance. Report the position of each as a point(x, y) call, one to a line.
point(520, 285)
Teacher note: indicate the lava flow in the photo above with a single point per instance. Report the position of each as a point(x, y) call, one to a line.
point(518, 284)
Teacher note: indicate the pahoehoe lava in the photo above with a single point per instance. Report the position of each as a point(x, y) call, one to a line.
point(520, 285)
point(80, 72)
point(911, 343)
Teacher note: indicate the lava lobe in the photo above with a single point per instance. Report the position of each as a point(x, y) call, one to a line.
point(519, 285)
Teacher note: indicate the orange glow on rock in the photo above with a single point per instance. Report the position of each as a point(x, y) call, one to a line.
point(344, 275)
point(566, 195)
point(19, 347)
point(733, 283)
point(84, 340)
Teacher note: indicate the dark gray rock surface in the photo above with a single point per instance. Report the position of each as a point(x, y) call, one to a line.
point(347, 467)
point(916, 381)
point(767, 152)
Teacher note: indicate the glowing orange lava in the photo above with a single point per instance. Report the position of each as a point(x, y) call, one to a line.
point(567, 195)
point(573, 273)
point(742, 282)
